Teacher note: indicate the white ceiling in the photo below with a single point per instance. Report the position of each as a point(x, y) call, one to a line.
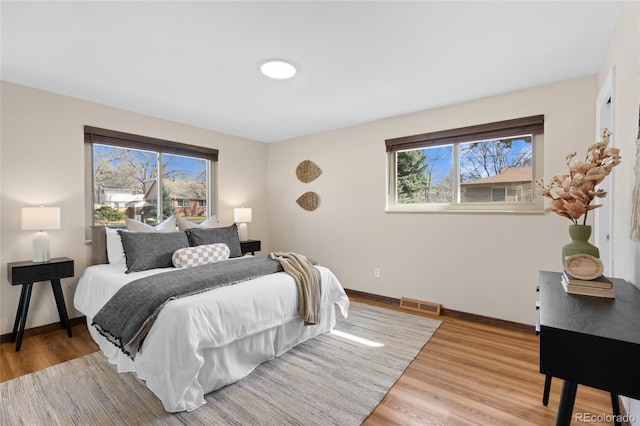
point(198, 62)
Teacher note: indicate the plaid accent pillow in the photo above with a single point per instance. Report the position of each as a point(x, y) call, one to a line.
point(189, 257)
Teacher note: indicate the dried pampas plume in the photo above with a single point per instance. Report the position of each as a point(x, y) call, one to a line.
point(571, 194)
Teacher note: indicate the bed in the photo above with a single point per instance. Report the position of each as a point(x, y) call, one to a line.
point(208, 340)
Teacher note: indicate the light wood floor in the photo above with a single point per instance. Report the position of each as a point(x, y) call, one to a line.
point(44, 350)
point(468, 374)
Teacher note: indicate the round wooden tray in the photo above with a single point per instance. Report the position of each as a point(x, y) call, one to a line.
point(583, 266)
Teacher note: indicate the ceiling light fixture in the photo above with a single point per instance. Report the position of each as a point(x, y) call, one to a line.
point(278, 69)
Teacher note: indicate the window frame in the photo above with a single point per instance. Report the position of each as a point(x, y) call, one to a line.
point(96, 135)
point(532, 125)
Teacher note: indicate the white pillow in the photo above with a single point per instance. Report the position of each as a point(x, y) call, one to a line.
point(189, 257)
point(168, 225)
point(115, 251)
point(184, 224)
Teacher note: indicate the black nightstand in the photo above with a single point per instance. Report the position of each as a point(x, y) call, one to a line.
point(250, 246)
point(28, 272)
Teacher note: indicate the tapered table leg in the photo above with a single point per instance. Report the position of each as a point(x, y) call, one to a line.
point(62, 308)
point(547, 390)
point(615, 405)
point(567, 399)
point(21, 315)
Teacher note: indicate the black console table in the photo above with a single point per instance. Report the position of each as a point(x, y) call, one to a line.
point(589, 340)
point(26, 273)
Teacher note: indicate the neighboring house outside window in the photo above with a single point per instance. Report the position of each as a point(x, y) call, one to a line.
point(512, 184)
point(187, 197)
point(117, 198)
point(487, 167)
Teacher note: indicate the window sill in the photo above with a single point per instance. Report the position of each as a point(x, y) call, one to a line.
point(520, 210)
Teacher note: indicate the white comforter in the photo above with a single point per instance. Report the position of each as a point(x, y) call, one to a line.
point(203, 342)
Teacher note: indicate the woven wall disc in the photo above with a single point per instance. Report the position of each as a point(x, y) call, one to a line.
point(307, 171)
point(308, 201)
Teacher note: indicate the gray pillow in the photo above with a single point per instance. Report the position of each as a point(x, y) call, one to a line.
point(150, 250)
point(227, 235)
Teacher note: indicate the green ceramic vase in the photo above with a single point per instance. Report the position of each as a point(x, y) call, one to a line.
point(579, 242)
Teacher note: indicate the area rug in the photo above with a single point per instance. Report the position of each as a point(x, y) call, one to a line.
point(335, 379)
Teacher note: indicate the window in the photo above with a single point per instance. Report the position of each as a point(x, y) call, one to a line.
point(123, 173)
point(506, 194)
point(488, 167)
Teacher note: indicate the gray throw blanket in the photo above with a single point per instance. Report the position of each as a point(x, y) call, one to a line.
point(127, 317)
point(309, 284)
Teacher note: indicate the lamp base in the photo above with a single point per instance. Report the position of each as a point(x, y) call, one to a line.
point(243, 232)
point(41, 247)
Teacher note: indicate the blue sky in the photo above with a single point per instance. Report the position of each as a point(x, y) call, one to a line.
point(443, 163)
point(191, 167)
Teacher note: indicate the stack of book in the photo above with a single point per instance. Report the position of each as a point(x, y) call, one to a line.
point(599, 287)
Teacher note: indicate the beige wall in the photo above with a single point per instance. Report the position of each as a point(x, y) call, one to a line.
point(623, 57)
point(485, 264)
point(41, 156)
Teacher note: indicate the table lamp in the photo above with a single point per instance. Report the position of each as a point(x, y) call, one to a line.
point(241, 216)
point(39, 219)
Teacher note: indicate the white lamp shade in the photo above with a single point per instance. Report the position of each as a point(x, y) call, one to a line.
point(39, 218)
point(242, 215)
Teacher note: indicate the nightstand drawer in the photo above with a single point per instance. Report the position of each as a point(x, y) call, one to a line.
point(29, 272)
point(250, 246)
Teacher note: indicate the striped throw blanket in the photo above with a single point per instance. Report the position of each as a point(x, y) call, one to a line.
point(309, 284)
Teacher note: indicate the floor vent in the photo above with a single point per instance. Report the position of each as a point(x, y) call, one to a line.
point(420, 306)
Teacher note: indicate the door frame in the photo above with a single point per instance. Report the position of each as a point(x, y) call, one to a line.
point(604, 217)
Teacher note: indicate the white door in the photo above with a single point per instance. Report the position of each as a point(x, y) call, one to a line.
point(605, 106)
